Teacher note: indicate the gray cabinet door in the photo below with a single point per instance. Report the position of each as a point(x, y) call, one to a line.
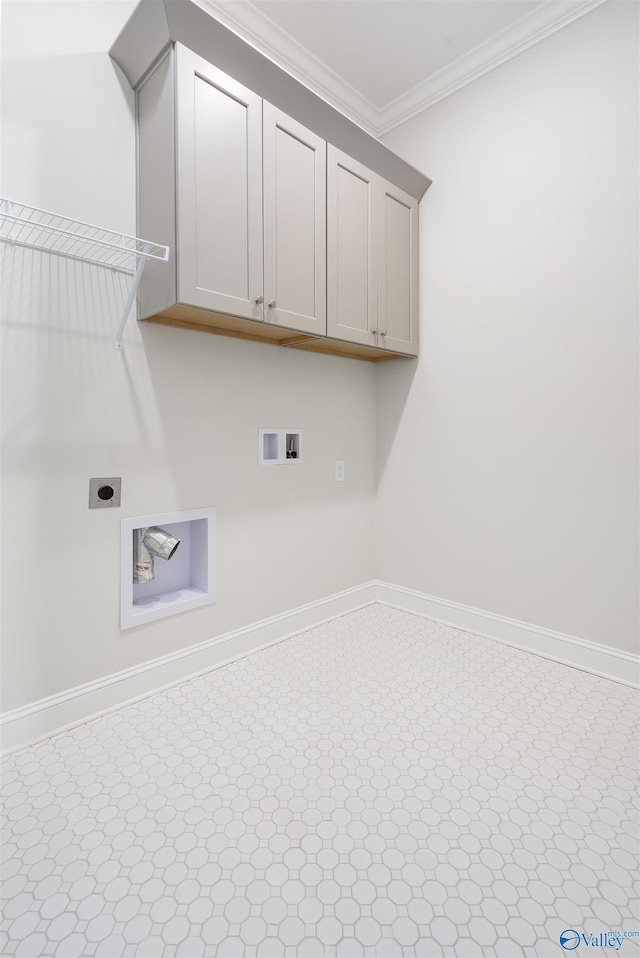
point(219, 202)
point(294, 164)
point(397, 269)
point(352, 249)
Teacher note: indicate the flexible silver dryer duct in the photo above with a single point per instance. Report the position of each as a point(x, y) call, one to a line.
point(147, 544)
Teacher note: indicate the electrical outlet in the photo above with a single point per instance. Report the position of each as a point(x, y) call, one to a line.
point(104, 493)
point(339, 470)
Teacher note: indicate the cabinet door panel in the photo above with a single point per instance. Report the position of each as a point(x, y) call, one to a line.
point(219, 190)
point(352, 237)
point(221, 157)
point(294, 223)
point(397, 269)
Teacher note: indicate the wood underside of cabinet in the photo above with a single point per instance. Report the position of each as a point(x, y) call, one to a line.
point(189, 317)
point(336, 347)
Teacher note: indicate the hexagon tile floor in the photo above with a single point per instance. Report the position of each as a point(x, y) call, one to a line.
point(381, 785)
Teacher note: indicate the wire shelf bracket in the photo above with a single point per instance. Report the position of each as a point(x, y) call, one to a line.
point(28, 226)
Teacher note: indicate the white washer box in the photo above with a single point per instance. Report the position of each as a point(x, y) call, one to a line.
point(186, 581)
point(278, 446)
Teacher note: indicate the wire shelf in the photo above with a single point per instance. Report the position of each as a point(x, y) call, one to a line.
point(22, 225)
point(28, 226)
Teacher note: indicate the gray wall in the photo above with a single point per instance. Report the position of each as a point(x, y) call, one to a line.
point(508, 455)
point(176, 414)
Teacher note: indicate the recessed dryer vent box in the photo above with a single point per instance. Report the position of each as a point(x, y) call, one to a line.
point(185, 581)
point(278, 446)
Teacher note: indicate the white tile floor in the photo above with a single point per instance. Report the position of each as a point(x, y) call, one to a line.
point(379, 786)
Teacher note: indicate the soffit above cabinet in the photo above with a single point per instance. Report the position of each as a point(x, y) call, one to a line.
point(155, 24)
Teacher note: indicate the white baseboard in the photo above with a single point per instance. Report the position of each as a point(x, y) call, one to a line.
point(57, 713)
point(602, 660)
point(46, 717)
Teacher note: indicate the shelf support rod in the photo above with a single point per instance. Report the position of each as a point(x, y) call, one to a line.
point(132, 295)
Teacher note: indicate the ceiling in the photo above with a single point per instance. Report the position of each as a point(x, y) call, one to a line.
point(383, 61)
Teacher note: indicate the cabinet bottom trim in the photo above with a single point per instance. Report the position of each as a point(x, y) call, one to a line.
point(201, 320)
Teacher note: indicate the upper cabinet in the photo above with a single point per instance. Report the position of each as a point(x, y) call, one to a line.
point(372, 258)
point(218, 147)
point(352, 249)
point(251, 199)
point(397, 269)
point(276, 233)
point(295, 196)
point(239, 189)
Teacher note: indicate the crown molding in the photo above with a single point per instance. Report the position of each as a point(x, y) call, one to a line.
point(498, 49)
point(246, 19)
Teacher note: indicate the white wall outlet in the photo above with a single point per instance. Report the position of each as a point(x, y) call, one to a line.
point(339, 470)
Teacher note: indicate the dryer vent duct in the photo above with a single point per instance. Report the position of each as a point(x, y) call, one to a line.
point(152, 542)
